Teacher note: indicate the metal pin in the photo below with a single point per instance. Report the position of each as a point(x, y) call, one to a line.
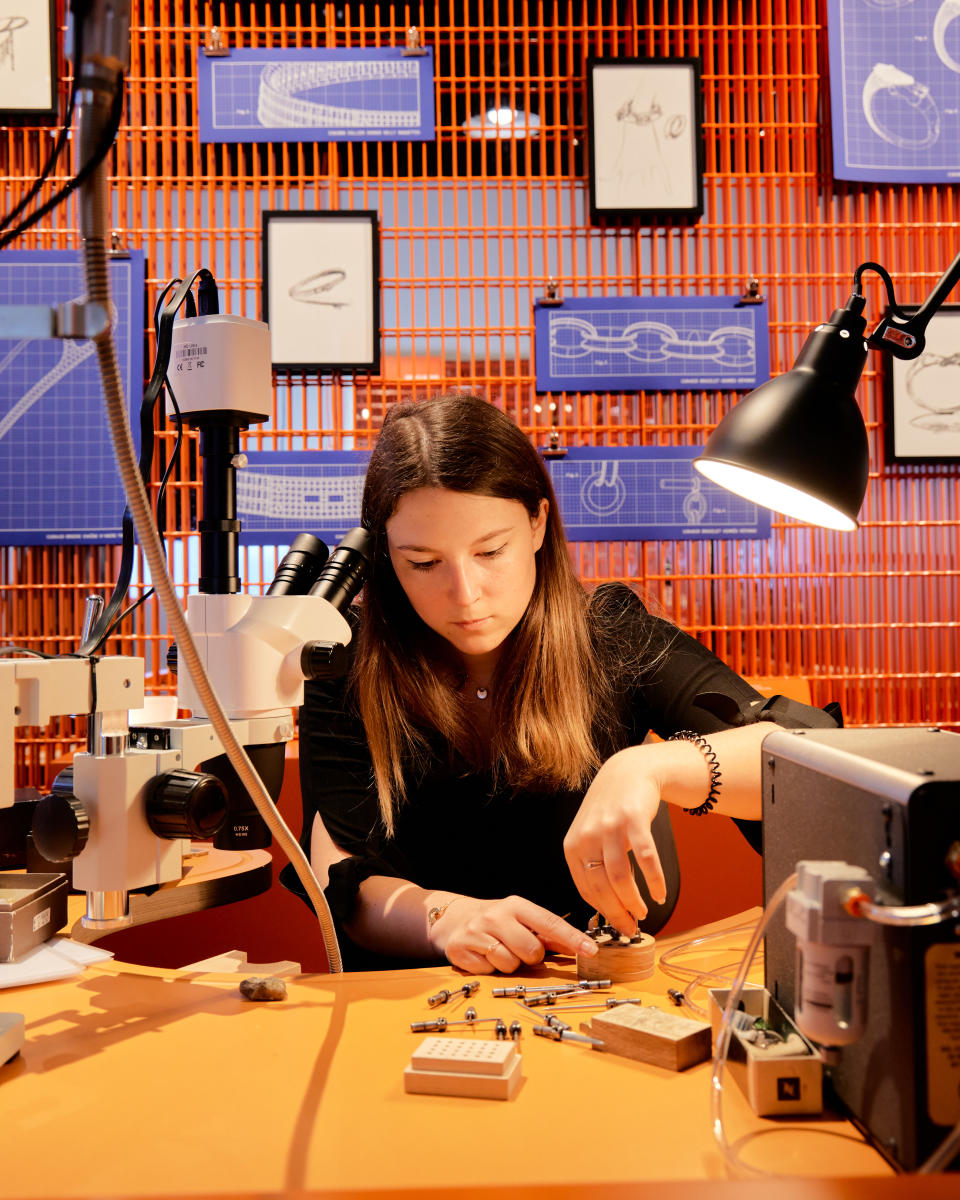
point(566, 1035)
point(517, 990)
point(675, 995)
point(609, 1003)
point(440, 998)
point(441, 1023)
point(515, 1030)
point(551, 997)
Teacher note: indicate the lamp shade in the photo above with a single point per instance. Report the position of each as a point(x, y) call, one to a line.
point(798, 444)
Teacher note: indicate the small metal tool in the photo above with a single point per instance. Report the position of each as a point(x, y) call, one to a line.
point(612, 1002)
point(441, 1023)
point(566, 1035)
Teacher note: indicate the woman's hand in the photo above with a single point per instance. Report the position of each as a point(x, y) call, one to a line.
point(615, 818)
point(483, 936)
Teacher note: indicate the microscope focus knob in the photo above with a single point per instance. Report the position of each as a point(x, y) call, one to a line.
point(61, 824)
point(186, 804)
point(323, 660)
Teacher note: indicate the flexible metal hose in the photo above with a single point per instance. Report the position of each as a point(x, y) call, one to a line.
point(96, 266)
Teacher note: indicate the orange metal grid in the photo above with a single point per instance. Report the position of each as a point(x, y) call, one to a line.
point(870, 618)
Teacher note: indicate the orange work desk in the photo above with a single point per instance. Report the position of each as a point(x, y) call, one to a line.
point(135, 1081)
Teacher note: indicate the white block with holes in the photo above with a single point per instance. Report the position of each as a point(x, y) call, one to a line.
point(484, 1068)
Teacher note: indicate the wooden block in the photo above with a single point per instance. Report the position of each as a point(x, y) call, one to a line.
point(652, 1036)
point(468, 1056)
point(619, 962)
point(460, 1083)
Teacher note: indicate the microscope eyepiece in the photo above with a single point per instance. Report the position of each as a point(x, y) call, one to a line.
point(299, 567)
point(342, 575)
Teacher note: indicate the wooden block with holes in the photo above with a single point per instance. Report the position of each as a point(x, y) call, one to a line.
point(482, 1068)
point(652, 1036)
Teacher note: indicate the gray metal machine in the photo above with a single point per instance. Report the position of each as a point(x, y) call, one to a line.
point(886, 801)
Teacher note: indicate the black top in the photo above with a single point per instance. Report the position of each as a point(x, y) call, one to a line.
point(457, 832)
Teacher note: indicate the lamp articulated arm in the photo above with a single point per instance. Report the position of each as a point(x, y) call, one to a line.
point(899, 333)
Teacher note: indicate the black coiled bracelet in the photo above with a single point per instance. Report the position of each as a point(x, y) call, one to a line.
point(688, 735)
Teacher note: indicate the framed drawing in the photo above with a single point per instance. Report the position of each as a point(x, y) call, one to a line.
point(28, 61)
point(922, 396)
point(321, 290)
point(645, 137)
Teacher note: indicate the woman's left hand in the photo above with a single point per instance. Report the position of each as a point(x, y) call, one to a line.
point(615, 818)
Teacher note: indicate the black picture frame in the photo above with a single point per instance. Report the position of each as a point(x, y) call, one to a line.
point(921, 396)
point(28, 56)
point(321, 290)
point(645, 134)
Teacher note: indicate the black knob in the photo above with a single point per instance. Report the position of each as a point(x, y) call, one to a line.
point(61, 825)
point(186, 804)
point(323, 660)
point(172, 658)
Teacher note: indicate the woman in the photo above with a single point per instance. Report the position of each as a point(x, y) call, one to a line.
point(489, 730)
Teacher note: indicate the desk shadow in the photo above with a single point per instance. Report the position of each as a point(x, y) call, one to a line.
point(127, 1006)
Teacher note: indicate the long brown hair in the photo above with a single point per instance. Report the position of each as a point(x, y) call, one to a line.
point(546, 691)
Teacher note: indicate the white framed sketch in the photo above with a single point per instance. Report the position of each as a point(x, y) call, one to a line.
point(645, 123)
point(321, 290)
point(922, 395)
point(28, 60)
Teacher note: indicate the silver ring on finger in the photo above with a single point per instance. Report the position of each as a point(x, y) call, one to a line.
point(493, 946)
point(593, 864)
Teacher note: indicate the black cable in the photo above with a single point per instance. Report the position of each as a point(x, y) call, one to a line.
point(163, 323)
point(101, 152)
point(26, 650)
point(62, 135)
point(887, 283)
point(174, 457)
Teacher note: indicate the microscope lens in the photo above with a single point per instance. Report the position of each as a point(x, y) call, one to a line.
point(342, 575)
point(299, 567)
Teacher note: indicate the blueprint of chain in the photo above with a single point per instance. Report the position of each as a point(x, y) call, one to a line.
point(58, 475)
point(317, 95)
point(615, 494)
point(634, 343)
point(895, 89)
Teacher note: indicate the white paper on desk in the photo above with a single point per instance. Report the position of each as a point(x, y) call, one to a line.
point(59, 958)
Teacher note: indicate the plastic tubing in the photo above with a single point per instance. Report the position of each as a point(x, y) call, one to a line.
point(98, 290)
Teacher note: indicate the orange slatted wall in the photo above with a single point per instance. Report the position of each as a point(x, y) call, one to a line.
point(870, 618)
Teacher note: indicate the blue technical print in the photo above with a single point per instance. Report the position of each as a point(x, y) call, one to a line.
point(58, 475)
point(895, 89)
point(605, 494)
point(316, 95)
point(283, 493)
point(651, 343)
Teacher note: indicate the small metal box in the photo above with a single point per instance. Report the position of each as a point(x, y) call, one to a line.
point(32, 908)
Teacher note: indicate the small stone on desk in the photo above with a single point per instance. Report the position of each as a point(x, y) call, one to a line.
point(263, 987)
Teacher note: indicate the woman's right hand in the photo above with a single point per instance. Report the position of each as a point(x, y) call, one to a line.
point(483, 936)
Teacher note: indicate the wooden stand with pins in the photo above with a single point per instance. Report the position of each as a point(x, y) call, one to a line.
point(620, 959)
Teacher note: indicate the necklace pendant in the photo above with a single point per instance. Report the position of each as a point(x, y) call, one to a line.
point(481, 693)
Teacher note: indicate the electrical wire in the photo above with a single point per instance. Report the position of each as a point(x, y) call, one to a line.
point(86, 171)
point(62, 135)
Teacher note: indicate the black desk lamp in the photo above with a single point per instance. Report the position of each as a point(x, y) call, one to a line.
point(798, 444)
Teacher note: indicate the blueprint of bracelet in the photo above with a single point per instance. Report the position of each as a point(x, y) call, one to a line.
point(58, 475)
point(651, 343)
point(338, 95)
point(281, 493)
point(604, 494)
point(895, 89)
point(647, 493)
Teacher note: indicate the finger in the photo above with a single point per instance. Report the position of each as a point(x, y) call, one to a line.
point(523, 942)
point(648, 860)
point(469, 960)
point(621, 906)
point(501, 957)
point(552, 931)
point(629, 906)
